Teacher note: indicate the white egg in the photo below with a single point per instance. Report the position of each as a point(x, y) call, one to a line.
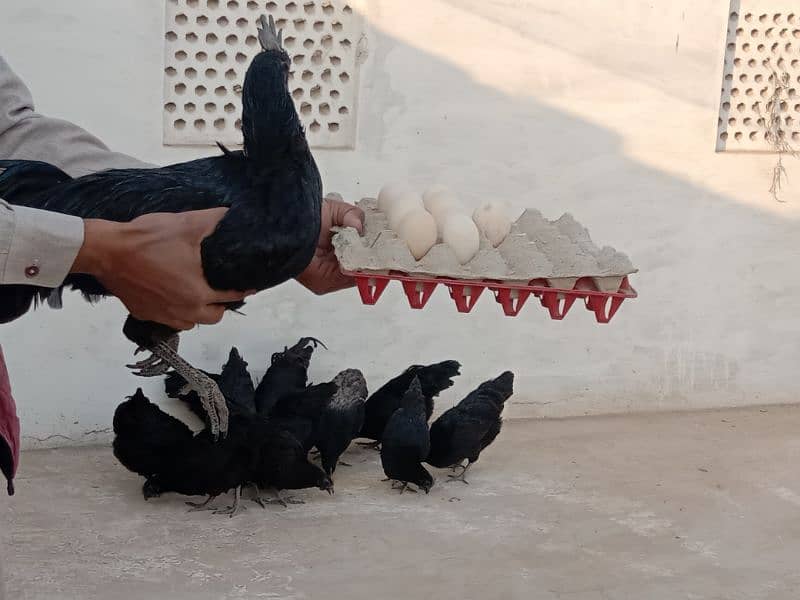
point(389, 193)
point(401, 205)
point(441, 202)
point(460, 233)
point(418, 230)
point(493, 221)
point(434, 190)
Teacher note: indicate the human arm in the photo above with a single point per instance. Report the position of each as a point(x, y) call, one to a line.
point(152, 264)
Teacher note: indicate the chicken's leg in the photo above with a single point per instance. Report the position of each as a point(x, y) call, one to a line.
point(460, 476)
point(284, 502)
point(231, 511)
point(210, 396)
point(257, 496)
point(195, 506)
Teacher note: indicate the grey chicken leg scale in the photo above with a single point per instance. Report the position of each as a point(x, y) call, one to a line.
point(154, 366)
point(211, 397)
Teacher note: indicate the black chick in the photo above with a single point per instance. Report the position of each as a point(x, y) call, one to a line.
point(299, 413)
point(163, 449)
point(462, 432)
point(234, 382)
point(283, 465)
point(406, 441)
point(272, 188)
point(282, 461)
point(381, 405)
point(287, 374)
point(341, 419)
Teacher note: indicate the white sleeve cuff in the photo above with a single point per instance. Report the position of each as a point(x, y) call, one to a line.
point(42, 248)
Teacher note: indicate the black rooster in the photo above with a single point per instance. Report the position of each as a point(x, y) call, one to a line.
point(406, 441)
point(272, 188)
point(433, 379)
point(462, 432)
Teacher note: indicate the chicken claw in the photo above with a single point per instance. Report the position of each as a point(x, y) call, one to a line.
point(460, 476)
point(284, 502)
point(232, 511)
point(195, 506)
point(154, 365)
point(211, 397)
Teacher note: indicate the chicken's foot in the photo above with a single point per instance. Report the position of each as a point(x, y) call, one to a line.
point(207, 389)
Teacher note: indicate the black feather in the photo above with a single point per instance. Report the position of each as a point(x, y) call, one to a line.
point(433, 380)
point(406, 442)
point(287, 374)
point(465, 430)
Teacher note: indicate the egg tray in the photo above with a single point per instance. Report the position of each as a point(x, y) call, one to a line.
point(511, 296)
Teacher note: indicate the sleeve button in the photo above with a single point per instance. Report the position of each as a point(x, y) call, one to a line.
point(31, 271)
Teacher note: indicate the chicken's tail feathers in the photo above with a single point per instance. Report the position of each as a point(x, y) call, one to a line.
point(22, 181)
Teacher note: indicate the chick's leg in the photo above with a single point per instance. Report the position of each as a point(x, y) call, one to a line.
point(460, 476)
point(231, 511)
point(210, 396)
point(195, 506)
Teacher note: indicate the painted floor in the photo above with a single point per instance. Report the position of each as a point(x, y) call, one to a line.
point(690, 505)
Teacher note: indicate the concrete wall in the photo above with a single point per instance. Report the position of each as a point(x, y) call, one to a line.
point(605, 109)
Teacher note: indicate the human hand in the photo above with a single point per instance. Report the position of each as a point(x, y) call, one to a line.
point(323, 275)
point(153, 265)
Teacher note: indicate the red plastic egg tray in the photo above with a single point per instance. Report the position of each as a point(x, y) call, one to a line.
point(511, 296)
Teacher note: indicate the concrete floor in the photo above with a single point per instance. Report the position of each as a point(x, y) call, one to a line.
point(692, 505)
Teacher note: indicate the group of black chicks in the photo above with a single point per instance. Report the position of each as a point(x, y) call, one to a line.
point(275, 425)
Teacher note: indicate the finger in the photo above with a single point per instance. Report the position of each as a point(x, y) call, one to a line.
point(344, 214)
point(223, 296)
point(210, 314)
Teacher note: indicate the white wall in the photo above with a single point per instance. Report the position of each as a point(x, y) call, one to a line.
point(605, 109)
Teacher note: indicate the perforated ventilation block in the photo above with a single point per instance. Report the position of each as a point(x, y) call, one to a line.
point(210, 43)
point(760, 105)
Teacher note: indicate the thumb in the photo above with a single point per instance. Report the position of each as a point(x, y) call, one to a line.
point(344, 214)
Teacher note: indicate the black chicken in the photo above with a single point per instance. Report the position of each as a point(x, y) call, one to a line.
point(272, 188)
point(287, 374)
point(406, 442)
point(433, 379)
point(283, 445)
point(462, 432)
point(341, 418)
point(164, 450)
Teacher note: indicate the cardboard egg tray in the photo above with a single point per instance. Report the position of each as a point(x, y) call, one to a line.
point(554, 261)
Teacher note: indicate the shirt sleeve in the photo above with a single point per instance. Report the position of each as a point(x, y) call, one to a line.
point(37, 247)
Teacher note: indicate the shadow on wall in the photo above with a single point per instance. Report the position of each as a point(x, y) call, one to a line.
point(711, 326)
